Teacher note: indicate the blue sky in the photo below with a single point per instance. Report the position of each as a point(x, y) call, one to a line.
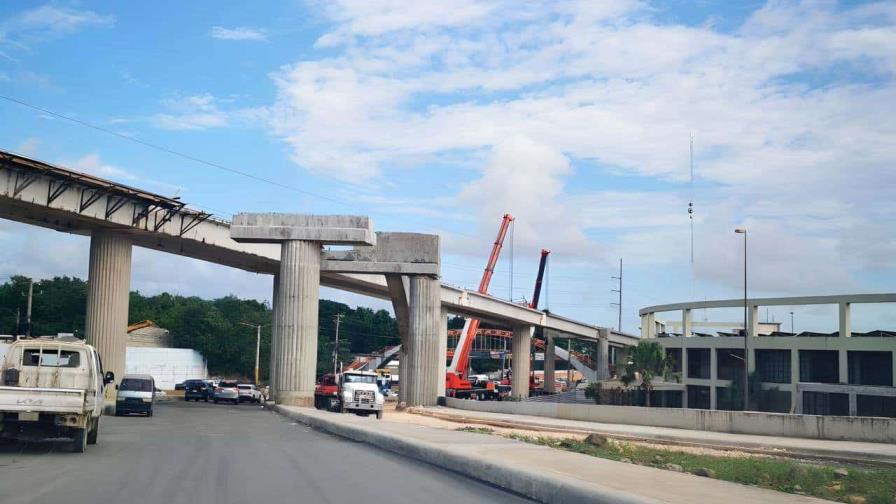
point(440, 117)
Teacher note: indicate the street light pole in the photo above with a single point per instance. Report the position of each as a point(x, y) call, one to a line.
point(791, 323)
point(257, 347)
point(747, 334)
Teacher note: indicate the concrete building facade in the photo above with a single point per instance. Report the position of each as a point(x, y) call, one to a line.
point(839, 373)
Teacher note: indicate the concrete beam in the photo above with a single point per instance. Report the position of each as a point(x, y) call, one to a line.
point(780, 301)
point(394, 253)
point(277, 227)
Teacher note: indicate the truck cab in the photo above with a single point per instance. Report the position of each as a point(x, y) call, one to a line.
point(351, 391)
point(52, 387)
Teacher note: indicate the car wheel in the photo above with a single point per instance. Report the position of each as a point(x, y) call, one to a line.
point(94, 432)
point(216, 400)
point(149, 413)
point(379, 415)
point(79, 442)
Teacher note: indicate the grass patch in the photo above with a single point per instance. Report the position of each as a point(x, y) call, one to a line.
point(877, 486)
point(478, 430)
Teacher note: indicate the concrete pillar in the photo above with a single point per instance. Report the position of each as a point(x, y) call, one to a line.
point(645, 332)
point(443, 351)
point(425, 316)
point(651, 325)
point(795, 399)
point(845, 321)
point(684, 373)
point(275, 339)
point(297, 311)
point(853, 407)
point(753, 332)
point(550, 381)
point(843, 360)
point(398, 294)
point(686, 323)
point(603, 354)
point(108, 292)
point(713, 377)
point(522, 339)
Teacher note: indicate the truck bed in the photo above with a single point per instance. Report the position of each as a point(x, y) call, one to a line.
point(41, 400)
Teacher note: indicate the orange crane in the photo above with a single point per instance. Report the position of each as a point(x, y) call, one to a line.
point(456, 377)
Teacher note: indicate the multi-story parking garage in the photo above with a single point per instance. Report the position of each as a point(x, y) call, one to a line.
point(837, 373)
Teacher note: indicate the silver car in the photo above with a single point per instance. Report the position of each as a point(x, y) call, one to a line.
point(227, 391)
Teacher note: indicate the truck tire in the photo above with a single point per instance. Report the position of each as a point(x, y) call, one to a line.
point(379, 415)
point(94, 432)
point(342, 407)
point(79, 441)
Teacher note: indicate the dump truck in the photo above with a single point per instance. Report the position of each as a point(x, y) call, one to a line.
point(52, 388)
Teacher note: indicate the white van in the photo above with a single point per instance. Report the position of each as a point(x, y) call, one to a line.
point(135, 394)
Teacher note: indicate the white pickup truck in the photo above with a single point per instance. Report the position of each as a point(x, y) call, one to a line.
point(52, 388)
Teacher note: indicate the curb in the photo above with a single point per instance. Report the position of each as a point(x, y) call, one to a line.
point(843, 456)
point(528, 483)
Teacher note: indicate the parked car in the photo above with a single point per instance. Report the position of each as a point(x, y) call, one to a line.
point(248, 393)
point(227, 391)
point(135, 395)
point(198, 390)
point(181, 386)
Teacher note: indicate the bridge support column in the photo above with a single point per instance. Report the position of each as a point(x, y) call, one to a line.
point(296, 309)
point(602, 362)
point(108, 292)
point(522, 341)
point(549, 364)
point(443, 352)
point(275, 339)
point(425, 317)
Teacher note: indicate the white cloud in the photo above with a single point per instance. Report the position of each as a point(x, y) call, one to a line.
point(48, 22)
point(204, 111)
point(792, 113)
point(238, 33)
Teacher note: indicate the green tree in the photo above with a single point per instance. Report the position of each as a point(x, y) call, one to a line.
point(647, 360)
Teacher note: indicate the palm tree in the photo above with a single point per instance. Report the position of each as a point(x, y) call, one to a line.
point(648, 360)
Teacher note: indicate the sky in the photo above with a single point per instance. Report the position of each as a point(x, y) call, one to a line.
point(439, 117)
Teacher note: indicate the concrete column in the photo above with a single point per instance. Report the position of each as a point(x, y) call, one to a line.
point(753, 332)
point(795, 399)
point(684, 373)
point(843, 360)
point(853, 407)
point(713, 376)
point(686, 323)
point(297, 311)
point(108, 292)
point(603, 354)
point(443, 351)
point(275, 339)
point(645, 332)
point(651, 325)
point(550, 362)
point(398, 294)
point(425, 317)
point(845, 321)
point(522, 339)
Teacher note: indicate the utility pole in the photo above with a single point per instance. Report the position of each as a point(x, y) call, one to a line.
point(619, 291)
point(28, 313)
point(257, 348)
point(337, 319)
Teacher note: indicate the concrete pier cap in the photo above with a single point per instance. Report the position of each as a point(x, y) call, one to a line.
point(279, 227)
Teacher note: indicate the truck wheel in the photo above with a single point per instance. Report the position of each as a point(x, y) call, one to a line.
point(79, 442)
point(92, 435)
point(342, 407)
point(379, 415)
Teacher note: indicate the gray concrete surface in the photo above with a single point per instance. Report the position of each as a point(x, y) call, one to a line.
point(843, 451)
point(277, 227)
point(545, 474)
point(216, 454)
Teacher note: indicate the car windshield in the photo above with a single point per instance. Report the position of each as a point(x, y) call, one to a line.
point(227, 384)
point(353, 378)
point(135, 385)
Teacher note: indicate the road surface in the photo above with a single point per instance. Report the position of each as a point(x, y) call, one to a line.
point(197, 453)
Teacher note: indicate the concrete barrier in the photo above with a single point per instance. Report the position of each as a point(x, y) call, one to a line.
point(869, 429)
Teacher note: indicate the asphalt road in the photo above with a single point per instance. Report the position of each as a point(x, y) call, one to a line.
point(204, 453)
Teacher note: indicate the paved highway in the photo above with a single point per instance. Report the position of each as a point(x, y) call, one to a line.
point(216, 454)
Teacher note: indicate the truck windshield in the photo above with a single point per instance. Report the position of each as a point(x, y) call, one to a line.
point(135, 385)
point(351, 378)
point(50, 358)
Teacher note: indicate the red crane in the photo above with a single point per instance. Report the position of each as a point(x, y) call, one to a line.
point(456, 377)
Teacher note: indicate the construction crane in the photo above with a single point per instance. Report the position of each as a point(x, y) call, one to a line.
point(541, 265)
point(456, 377)
point(141, 325)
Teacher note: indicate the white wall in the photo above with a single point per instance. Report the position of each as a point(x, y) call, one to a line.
point(873, 429)
point(168, 366)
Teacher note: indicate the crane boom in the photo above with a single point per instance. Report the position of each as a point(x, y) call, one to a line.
point(461, 358)
point(541, 264)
